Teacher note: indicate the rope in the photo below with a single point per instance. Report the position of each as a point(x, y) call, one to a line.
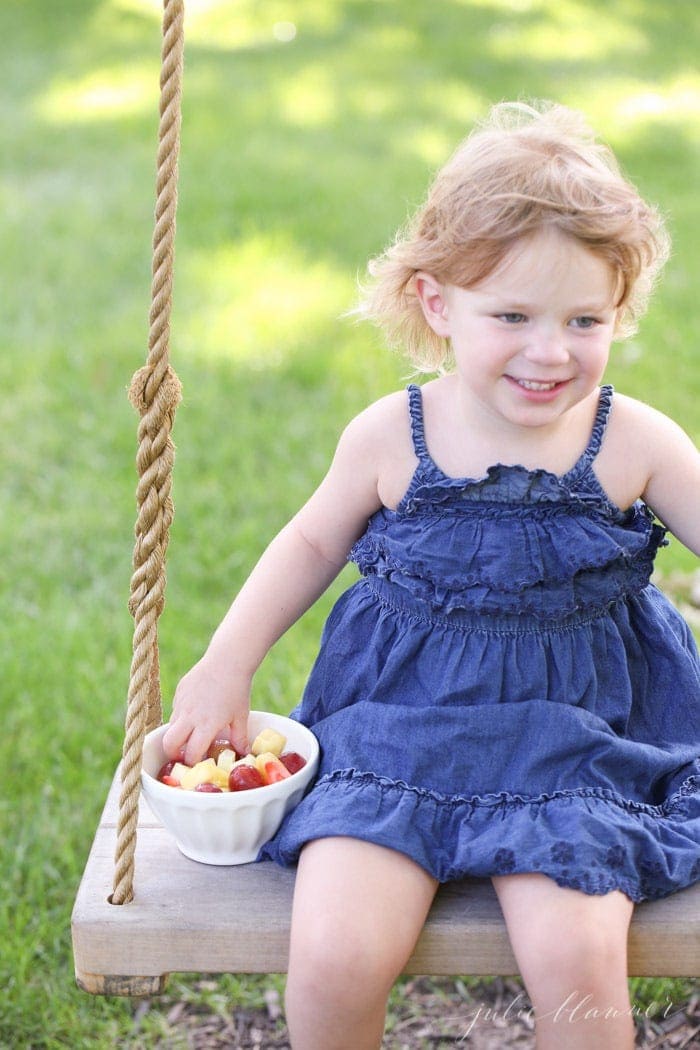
point(155, 394)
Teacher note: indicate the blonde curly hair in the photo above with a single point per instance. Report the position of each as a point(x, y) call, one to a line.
point(526, 167)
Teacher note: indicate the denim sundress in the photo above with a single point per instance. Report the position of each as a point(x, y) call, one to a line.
point(505, 691)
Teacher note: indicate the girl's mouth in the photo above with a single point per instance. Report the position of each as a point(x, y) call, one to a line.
point(538, 391)
point(532, 384)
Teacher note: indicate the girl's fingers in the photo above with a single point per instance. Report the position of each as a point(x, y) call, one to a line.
point(175, 738)
point(194, 740)
point(198, 744)
point(237, 732)
point(187, 742)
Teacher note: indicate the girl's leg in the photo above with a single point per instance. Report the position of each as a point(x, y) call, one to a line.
point(572, 952)
point(358, 911)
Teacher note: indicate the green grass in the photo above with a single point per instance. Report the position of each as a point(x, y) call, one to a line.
point(299, 160)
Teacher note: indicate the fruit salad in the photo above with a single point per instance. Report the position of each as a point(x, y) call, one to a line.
point(224, 770)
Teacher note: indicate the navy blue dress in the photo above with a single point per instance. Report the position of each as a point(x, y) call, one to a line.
point(505, 691)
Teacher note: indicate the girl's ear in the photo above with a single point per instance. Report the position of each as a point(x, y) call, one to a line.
point(431, 296)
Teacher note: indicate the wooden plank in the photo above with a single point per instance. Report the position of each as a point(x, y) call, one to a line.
point(189, 917)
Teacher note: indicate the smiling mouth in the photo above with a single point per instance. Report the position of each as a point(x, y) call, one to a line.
point(531, 384)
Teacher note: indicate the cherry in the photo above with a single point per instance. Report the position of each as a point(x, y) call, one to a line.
point(292, 761)
point(243, 778)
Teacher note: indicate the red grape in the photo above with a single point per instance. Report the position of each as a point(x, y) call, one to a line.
point(217, 746)
point(243, 778)
point(293, 761)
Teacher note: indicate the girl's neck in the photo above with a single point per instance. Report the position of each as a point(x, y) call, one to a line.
point(466, 437)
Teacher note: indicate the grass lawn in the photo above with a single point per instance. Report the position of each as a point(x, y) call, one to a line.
point(300, 158)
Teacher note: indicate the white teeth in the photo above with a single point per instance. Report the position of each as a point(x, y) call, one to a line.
point(531, 385)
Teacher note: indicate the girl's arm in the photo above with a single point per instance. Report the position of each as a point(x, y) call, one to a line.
point(295, 569)
point(673, 486)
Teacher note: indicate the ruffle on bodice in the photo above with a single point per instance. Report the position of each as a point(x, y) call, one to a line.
point(514, 541)
point(506, 485)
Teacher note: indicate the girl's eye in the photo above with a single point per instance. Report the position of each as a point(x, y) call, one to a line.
point(584, 322)
point(512, 318)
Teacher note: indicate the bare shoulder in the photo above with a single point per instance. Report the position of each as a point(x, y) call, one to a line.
point(646, 454)
point(381, 419)
point(631, 450)
point(649, 429)
point(632, 411)
point(380, 436)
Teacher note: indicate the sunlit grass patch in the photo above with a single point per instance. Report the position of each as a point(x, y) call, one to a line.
point(103, 93)
point(257, 300)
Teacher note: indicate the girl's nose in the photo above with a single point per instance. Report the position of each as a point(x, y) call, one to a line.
point(547, 348)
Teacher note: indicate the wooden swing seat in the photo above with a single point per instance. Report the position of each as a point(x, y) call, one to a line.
point(196, 918)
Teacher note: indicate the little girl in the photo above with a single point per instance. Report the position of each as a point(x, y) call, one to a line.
point(503, 693)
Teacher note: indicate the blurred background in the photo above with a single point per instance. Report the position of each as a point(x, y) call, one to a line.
point(310, 131)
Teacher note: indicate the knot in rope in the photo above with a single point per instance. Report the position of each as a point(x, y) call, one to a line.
point(164, 398)
point(155, 393)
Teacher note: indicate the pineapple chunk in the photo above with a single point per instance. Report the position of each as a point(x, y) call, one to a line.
point(262, 760)
point(226, 760)
point(179, 770)
point(220, 778)
point(268, 740)
point(201, 773)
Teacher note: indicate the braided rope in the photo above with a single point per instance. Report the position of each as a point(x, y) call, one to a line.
point(154, 393)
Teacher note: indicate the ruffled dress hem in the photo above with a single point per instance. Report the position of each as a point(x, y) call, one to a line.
point(590, 839)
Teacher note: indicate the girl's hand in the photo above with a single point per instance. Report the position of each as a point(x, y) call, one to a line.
point(208, 704)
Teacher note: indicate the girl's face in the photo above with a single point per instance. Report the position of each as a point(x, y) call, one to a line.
point(533, 339)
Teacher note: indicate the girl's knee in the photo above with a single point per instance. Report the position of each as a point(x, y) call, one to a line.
point(341, 957)
point(358, 909)
point(337, 989)
point(576, 977)
point(584, 954)
point(565, 937)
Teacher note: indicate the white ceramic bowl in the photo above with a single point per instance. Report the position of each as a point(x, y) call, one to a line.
point(228, 828)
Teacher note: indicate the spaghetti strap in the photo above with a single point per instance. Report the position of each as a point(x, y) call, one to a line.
point(415, 408)
point(600, 423)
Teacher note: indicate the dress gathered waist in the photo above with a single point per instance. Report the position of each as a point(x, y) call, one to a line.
point(395, 597)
